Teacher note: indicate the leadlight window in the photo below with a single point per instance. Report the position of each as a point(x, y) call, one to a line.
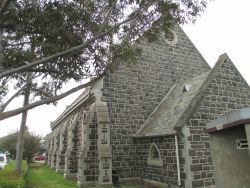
point(154, 156)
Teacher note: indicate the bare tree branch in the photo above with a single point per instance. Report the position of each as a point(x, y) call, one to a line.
point(1, 50)
point(17, 111)
point(3, 107)
point(45, 71)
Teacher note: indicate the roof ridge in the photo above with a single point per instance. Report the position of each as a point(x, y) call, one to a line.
point(196, 99)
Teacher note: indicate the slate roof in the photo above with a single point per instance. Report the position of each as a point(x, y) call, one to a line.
point(172, 108)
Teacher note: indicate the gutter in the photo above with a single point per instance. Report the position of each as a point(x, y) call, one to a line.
point(70, 110)
point(227, 126)
point(236, 118)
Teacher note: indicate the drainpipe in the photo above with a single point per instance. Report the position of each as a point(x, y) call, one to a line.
point(109, 102)
point(177, 161)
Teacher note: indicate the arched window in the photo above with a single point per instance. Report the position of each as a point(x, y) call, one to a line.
point(154, 156)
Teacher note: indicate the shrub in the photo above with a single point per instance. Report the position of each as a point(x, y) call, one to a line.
point(11, 179)
point(31, 146)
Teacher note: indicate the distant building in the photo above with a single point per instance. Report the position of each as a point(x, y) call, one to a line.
point(169, 120)
point(43, 148)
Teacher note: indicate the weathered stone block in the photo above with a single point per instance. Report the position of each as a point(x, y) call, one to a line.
point(196, 167)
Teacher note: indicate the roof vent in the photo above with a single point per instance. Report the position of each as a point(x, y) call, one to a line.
point(186, 88)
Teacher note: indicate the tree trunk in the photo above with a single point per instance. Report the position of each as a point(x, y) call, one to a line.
point(21, 134)
point(1, 50)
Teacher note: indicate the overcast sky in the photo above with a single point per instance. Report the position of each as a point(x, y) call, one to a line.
point(224, 27)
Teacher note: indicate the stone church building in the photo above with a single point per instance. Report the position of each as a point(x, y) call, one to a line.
point(170, 121)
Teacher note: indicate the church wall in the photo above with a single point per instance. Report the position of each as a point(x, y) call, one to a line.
point(227, 92)
point(167, 173)
point(133, 92)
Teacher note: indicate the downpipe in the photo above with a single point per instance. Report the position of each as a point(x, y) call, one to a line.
point(177, 161)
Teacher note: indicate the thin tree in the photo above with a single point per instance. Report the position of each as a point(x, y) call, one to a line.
point(21, 133)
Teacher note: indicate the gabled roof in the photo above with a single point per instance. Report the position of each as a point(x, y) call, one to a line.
point(178, 105)
point(171, 109)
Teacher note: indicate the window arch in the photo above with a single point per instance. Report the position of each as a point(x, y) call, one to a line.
point(154, 156)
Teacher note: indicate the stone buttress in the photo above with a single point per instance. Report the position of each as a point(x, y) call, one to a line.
point(60, 161)
point(86, 176)
point(95, 159)
point(104, 149)
point(79, 144)
point(48, 153)
point(56, 142)
point(70, 168)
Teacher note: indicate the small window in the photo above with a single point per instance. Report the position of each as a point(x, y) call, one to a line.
point(154, 156)
point(170, 37)
point(241, 144)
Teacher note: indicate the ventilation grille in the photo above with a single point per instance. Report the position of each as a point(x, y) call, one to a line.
point(241, 144)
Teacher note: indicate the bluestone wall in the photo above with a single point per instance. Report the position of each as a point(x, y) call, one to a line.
point(134, 91)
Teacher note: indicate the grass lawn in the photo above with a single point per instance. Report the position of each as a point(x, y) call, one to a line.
point(10, 178)
point(130, 185)
point(41, 176)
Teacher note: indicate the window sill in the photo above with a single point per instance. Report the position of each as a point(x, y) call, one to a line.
point(155, 162)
